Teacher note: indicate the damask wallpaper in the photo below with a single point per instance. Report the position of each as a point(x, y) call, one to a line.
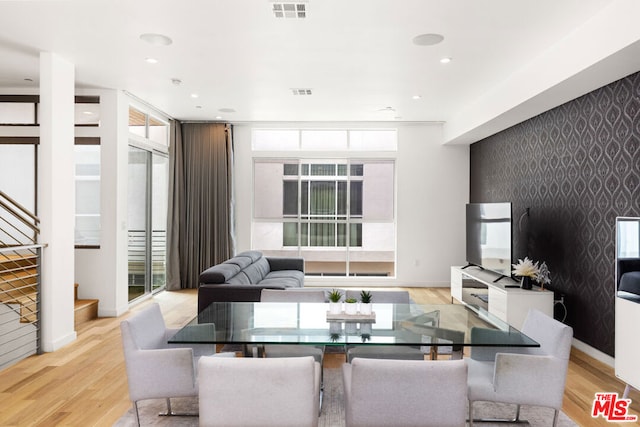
point(569, 172)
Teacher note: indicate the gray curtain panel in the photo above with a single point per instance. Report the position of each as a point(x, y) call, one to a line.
point(200, 218)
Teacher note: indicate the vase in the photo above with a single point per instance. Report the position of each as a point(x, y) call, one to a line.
point(335, 307)
point(350, 308)
point(365, 308)
point(526, 282)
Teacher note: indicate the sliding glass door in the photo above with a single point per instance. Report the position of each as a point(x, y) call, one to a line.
point(147, 219)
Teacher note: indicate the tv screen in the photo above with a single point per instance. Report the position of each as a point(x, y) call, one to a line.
point(489, 236)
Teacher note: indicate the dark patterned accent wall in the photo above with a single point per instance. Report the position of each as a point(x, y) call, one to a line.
point(575, 168)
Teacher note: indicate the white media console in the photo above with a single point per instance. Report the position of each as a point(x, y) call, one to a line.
point(503, 298)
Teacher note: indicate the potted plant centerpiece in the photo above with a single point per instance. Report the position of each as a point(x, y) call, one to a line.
point(365, 302)
point(335, 306)
point(351, 306)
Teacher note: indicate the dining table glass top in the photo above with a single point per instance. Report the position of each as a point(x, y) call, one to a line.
point(451, 325)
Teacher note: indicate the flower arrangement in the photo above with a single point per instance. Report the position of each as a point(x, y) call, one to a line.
point(532, 270)
point(525, 268)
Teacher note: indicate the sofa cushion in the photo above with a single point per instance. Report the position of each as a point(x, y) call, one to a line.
point(219, 273)
point(254, 255)
point(287, 282)
point(292, 276)
point(296, 274)
point(263, 266)
point(255, 272)
point(240, 279)
point(240, 261)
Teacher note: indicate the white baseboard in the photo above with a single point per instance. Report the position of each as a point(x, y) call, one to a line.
point(593, 352)
point(50, 346)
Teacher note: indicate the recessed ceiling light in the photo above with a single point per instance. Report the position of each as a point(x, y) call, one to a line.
point(427, 39)
point(194, 95)
point(301, 91)
point(151, 60)
point(156, 39)
point(176, 82)
point(218, 117)
point(28, 79)
point(198, 106)
point(416, 97)
point(88, 113)
point(445, 60)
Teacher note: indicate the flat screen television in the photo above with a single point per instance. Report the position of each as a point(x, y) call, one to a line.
point(489, 227)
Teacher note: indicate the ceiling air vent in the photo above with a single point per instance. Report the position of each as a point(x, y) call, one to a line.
point(299, 91)
point(297, 9)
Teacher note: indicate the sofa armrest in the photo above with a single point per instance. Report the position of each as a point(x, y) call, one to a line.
point(284, 263)
point(225, 293)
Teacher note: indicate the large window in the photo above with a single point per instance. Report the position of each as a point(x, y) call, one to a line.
point(322, 199)
point(338, 213)
point(87, 177)
point(147, 202)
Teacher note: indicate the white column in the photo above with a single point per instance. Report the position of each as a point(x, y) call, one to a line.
point(56, 199)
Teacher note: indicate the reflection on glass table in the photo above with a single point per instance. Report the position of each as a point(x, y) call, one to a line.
point(443, 327)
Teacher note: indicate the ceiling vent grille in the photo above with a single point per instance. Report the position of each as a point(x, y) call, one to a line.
point(300, 91)
point(296, 10)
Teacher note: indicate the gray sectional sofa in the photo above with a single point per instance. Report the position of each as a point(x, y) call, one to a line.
point(243, 277)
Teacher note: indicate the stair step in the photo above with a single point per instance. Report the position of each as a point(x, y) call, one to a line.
point(85, 311)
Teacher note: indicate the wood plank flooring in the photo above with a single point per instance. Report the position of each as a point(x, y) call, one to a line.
point(85, 383)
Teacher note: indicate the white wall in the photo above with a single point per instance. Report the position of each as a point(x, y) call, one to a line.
point(102, 273)
point(432, 185)
point(56, 203)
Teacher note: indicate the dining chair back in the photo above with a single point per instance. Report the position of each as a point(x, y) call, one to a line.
point(405, 393)
point(247, 392)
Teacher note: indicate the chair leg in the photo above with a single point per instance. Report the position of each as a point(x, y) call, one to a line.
point(555, 417)
point(170, 412)
point(135, 412)
point(515, 420)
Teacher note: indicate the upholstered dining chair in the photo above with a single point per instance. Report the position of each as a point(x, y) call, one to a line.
point(248, 391)
point(405, 393)
point(531, 376)
point(155, 369)
point(293, 295)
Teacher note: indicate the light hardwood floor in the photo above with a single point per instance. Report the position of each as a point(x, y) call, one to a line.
point(85, 383)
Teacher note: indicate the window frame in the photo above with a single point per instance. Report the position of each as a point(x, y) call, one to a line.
point(350, 157)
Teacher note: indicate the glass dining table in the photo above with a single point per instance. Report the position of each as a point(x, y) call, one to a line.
point(435, 328)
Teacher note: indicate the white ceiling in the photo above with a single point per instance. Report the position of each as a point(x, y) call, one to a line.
point(357, 56)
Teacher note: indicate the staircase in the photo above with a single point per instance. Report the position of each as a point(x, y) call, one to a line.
point(85, 310)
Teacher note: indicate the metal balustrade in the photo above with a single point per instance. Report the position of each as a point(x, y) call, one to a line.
point(20, 282)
